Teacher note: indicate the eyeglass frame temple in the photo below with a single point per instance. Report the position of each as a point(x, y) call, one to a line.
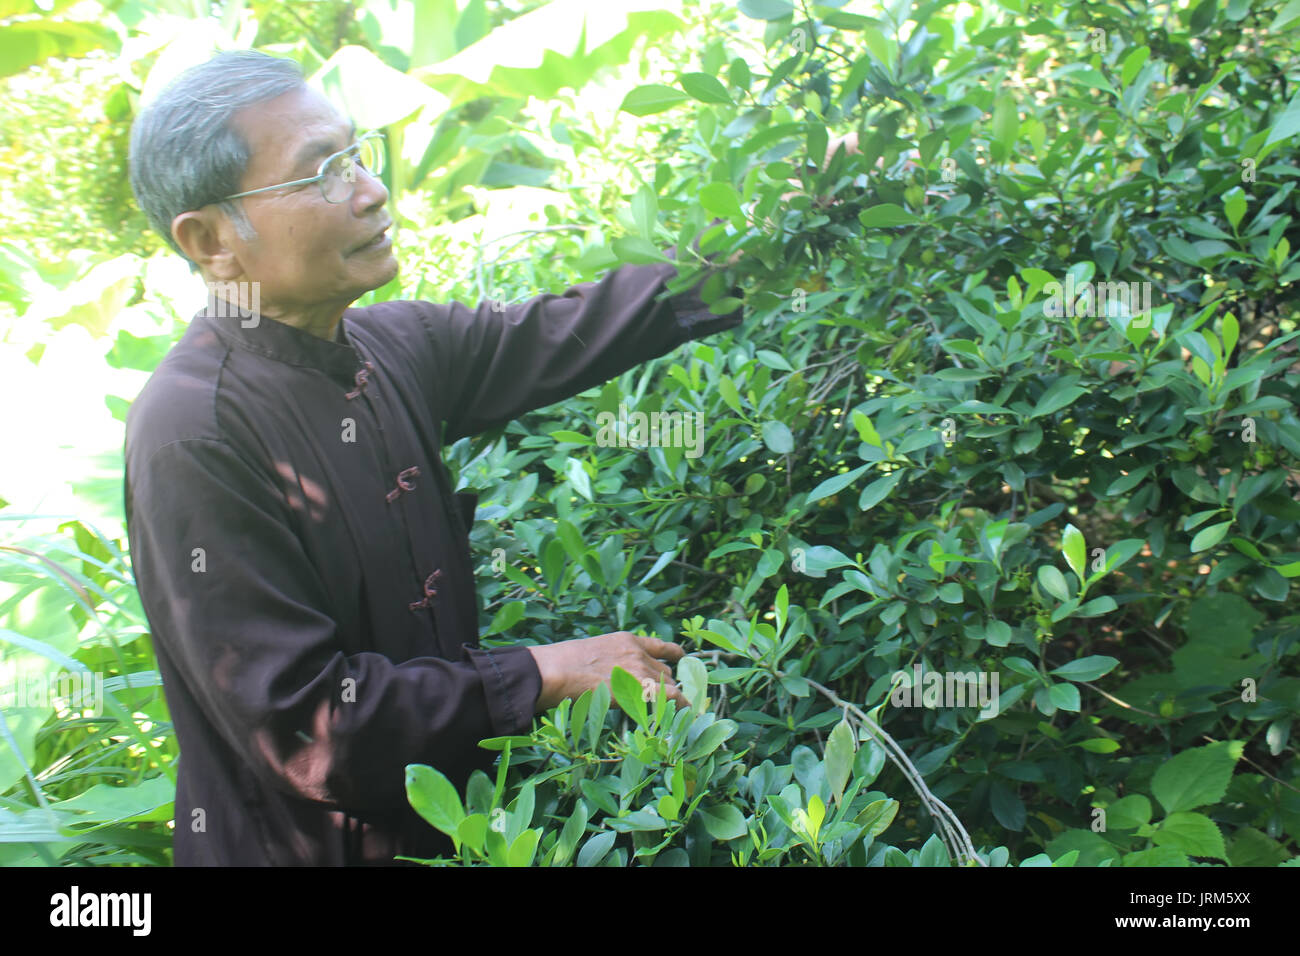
point(320, 173)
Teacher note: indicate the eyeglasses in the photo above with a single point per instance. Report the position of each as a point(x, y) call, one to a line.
point(337, 175)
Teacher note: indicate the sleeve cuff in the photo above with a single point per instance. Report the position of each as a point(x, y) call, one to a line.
point(693, 317)
point(511, 685)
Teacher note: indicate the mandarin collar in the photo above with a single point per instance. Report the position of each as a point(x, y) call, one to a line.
point(275, 340)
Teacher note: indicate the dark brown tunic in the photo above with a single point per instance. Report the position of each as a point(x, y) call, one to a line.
point(311, 598)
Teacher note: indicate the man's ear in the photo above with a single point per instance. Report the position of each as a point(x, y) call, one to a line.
point(201, 238)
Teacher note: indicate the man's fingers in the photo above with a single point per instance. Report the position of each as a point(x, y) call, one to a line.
point(663, 650)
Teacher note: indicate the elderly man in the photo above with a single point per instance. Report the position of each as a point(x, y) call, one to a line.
point(300, 552)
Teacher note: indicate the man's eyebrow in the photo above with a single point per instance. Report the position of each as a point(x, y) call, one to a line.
point(320, 148)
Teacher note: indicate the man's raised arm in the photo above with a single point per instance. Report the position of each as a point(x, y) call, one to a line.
point(494, 363)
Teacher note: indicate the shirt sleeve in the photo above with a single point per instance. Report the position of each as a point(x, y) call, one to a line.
point(493, 363)
point(241, 614)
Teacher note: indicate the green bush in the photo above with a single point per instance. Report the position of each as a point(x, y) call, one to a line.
point(941, 463)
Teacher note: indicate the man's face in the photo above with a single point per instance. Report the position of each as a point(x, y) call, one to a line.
point(308, 252)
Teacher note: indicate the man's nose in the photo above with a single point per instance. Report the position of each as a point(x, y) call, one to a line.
point(368, 191)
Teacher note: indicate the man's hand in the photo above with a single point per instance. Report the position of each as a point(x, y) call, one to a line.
point(571, 667)
point(848, 143)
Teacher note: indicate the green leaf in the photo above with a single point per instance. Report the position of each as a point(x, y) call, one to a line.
point(661, 562)
point(738, 74)
point(1008, 809)
point(1133, 63)
point(998, 633)
point(723, 822)
point(705, 88)
point(766, 9)
point(506, 618)
point(1287, 15)
point(933, 853)
point(653, 98)
point(1006, 127)
point(638, 250)
point(1128, 813)
point(878, 490)
point(822, 558)
point(1192, 833)
point(1097, 606)
point(778, 437)
point(1252, 487)
point(1053, 582)
point(727, 389)
point(596, 848)
point(1036, 279)
point(1062, 393)
point(770, 562)
point(1121, 552)
point(1021, 666)
point(1086, 668)
point(1270, 584)
point(1076, 550)
point(629, 696)
point(1196, 777)
point(372, 92)
point(880, 46)
point(596, 715)
point(877, 816)
point(645, 210)
point(1203, 15)
point(473, 831)
point(571, 539)
point(1164, 856)
point(1234, 205)
point(1230, 333)
point(839, 758)
point(1209, 536)
point(693, 678)
point(720, 199)
point(151, 800)
point(1127, 482)
point(1288, 123)
point(836, 484)
point(866, 431)
point(1089, 77)
point(1065, 696)
point(1099, 745)
point(712, 738)
point(885, 215)
point(524, 848)
point(1252, 848)
point(577, 438)
point(28, 43)
point(773, 360)
point(434, 798)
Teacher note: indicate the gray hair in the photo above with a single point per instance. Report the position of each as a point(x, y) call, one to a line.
point(185, 153)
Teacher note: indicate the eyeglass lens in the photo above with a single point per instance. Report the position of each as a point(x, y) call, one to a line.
point(341, 174)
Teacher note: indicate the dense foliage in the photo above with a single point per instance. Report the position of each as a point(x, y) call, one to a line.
point(1014, 398)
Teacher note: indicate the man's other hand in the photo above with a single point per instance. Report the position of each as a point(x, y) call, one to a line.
point(571, 667)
